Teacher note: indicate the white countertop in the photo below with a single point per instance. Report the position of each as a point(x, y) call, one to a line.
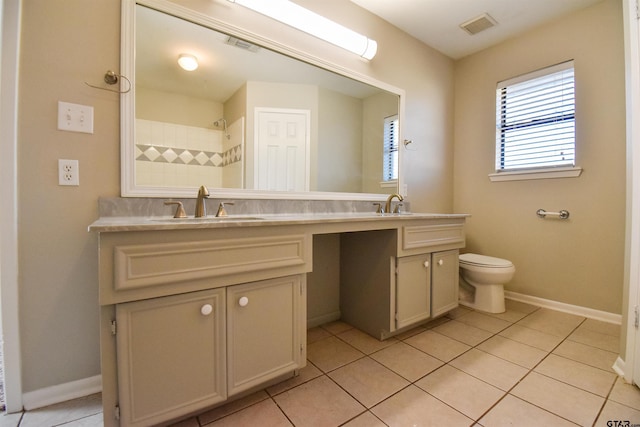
point(117, 224)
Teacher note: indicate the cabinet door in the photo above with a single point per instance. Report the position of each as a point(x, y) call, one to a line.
point(266, 320)
point(171, 356)
point(413, 290)
point(444, 282)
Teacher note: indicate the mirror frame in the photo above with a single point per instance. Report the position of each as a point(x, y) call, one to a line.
point(127, 107)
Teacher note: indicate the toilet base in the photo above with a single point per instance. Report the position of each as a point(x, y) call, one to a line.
point(487, 298)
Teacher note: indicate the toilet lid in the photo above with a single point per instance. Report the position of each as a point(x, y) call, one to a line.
point(483, 260)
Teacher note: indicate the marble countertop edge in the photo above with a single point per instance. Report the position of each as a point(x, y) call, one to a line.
point(134, 223)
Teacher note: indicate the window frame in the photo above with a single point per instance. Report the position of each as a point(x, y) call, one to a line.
point(390, 149)
point(531, 172)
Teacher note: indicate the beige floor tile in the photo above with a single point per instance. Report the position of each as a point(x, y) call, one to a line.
point(461, 391)
point(489, 368)
point(513, 351)
point(436, 322)
point(512, 411)
point(462, 332)
point(407, 361)
point(459, 311)
point(331, 353)
point(316, 334)
point(368, 381)
point(266, 411)
point(522, 307)
point(596, 339)
point(509, 315)
point(319, 402)
point(586, 354)
point(437, 345)
point(232, 407)
point(11, 420)
point(601, 327)
point(364, 342)
point(577, 374)
point(63, 412)
point(307, 373)
point(552, 322)
point(484, 322)
point(365, 420)
point(625, 393)
point(411, 332)
point(531, 337)
point(336, 327)
point(559, 398)
point(415, 407)
point(615, 411)
point(97, 421)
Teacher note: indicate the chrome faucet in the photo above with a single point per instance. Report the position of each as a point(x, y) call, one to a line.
point(387, 207)
point(201, 207)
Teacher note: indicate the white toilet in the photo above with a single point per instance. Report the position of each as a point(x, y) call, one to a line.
point(482, 280)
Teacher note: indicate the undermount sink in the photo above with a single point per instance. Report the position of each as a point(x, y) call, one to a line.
point(210, 219)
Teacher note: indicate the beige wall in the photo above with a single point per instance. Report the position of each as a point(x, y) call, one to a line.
point(579, 261)
point(169, 107)
point(338, 160)
point(64, 44)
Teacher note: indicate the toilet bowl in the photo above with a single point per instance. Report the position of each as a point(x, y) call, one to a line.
point(482, 280)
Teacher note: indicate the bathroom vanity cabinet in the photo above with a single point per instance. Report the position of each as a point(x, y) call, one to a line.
point(391, 281)
point(196, 313)
point(192, 318)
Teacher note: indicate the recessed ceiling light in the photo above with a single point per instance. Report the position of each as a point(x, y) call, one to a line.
point(188, 62)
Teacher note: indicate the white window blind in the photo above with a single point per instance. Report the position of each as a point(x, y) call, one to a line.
point(536, 120)
point(390, 149)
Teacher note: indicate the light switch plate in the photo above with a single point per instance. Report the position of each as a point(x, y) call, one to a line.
point(75, 117)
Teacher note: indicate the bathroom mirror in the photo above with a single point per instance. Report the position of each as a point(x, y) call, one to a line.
point(249, 122)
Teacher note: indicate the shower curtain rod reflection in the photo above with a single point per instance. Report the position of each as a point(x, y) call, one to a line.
point(224, 126)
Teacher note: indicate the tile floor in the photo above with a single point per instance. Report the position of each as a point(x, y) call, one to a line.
point(528, 366)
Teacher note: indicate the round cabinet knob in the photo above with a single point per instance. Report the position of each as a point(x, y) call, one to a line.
point(206, 309)
point(426, 264)
point(243, 301)
point(441, 262)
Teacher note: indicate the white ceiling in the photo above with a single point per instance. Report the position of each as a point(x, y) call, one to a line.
point(437, 22)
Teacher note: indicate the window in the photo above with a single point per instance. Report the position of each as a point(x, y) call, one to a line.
point(390, 149)
point(535, 125)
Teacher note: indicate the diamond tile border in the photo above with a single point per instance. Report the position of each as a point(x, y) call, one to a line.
point(163, 154)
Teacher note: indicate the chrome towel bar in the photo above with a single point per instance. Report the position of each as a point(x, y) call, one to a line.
point(563, 214)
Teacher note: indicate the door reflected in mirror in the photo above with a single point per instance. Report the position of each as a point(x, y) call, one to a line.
point(249, 118)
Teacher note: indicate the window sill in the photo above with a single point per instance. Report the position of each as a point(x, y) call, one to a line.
point(548, 173)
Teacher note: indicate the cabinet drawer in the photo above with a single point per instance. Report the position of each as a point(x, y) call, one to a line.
point(423, 238)
point(139, 266)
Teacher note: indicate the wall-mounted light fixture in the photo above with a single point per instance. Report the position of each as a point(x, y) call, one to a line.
point(187, 62)
point(310, 22)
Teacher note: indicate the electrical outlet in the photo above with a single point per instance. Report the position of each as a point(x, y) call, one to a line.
point(68, 172)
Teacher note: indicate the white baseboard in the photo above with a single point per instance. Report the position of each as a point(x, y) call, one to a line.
point(591, 313)
point(321, 320)
point(61, 392)
point(619, 366)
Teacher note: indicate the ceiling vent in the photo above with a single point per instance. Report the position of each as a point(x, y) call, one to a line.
point(481, 23)
point(242, 44)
